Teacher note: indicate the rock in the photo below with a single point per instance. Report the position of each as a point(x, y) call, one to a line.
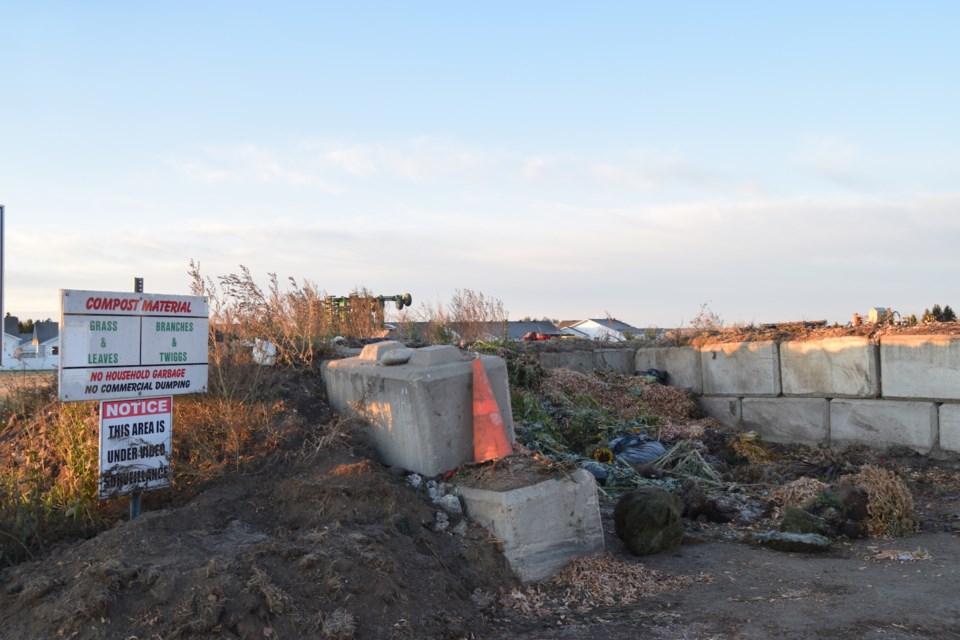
point(415, 480)
point(440, 521)
point(451, 504)
point(796, 520)
point(396, 356)
point(783, 541)
point(648, 520)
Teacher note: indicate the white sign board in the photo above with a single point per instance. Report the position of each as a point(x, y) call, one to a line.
point(123, 345)
point(136, 442)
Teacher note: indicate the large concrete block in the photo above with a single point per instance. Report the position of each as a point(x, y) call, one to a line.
point(582, 361)
point(619, 360)
point(741, 368)
point(542, 526)
point(726, 411)
point(682, 363)
point(920, 367)
point(950, 427)
point(881, 423)
point(420, 416)
point(845, 367)
point(791, 420)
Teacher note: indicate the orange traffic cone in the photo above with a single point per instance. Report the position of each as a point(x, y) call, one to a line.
point(489, 435)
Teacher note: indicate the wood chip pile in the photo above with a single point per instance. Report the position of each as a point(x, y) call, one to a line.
point(562, 384)
point(590, 583)
point(625, 397)
point(799, 493)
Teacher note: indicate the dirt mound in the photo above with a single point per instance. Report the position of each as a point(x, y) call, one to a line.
point(338, 548)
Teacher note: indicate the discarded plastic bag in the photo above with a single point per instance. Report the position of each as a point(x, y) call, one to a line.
point(636, 449)
point(654, 375)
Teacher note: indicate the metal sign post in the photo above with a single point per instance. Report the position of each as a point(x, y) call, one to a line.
point(135, 496)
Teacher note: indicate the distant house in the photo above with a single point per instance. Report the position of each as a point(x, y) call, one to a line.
point(609, 329)
point(519, 329)
point(11, 339)
point(37, 350)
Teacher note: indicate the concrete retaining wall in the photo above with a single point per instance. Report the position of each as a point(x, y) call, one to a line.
point(904, 391)
point(803, 420)
point(846, 367)
point(921, 367)
point(682, 363)
point(741, 368)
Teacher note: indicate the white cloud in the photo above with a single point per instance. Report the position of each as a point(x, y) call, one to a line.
point(831, 158)
point(249, 163)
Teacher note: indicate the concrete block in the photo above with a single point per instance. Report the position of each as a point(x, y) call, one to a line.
point(726, 411)
point(790, 420)
point(437, 354)
point(619, 360)
point(741, 368)
point(950, 427)
point(845, 367)
point(376, 350)
point(420, 417)
point(581, 361)
point(682, 363)
point(920, 367)
point(881, 423)
point(543, 526)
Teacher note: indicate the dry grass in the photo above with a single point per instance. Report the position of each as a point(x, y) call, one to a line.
point(890, 504)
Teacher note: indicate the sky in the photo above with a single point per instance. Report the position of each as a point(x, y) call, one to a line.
point(774, 161)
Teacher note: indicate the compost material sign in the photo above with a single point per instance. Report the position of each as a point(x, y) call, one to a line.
point(136, 441)
point(123, 345)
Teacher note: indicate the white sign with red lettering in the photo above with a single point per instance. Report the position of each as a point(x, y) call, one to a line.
point(123, 345)
point(136, 442)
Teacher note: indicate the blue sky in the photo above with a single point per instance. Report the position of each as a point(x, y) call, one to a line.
point(776, 160)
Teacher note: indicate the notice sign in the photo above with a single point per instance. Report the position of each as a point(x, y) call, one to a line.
point(136, 441)
point(122, 345)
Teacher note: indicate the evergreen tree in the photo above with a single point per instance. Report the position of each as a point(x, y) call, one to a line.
point(937, 313)
point(948, 314)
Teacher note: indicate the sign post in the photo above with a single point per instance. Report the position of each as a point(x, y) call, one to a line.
point(115, 346)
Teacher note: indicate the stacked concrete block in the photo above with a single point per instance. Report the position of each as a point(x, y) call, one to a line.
point(741, 368)
point(542, 526)
point(681, 363)
point(582, 361)
point(881, 423)
point(949, 420)
point(845, 367)
point(420, 413)
point(726, 411)
point(619, 360)
point(916, 367)
point(802, 420)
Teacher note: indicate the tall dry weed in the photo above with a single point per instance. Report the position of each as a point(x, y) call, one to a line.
point(469, 316)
